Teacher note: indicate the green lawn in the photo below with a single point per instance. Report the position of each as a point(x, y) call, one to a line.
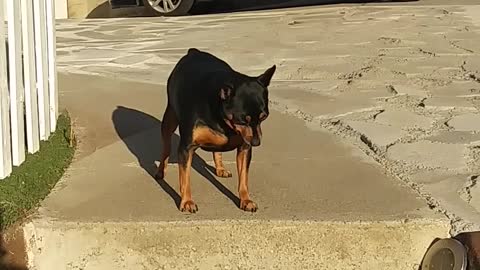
point(32, 181)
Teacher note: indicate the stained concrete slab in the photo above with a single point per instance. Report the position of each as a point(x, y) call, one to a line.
point(404, 119)
point(457, 191)
point(445, 102)
point(433, 155)
point(378, 134)
point(321, 99)
point(455, 137)
point(465, 122)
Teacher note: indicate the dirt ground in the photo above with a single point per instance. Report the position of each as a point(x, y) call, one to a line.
point(12, 250)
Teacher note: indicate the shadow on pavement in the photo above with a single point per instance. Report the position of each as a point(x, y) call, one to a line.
point(226, 6)
point(129, 122)
point(105, 11)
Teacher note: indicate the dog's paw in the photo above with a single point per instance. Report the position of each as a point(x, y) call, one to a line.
point(248, 205)
point(223, 173)
point(188, 206)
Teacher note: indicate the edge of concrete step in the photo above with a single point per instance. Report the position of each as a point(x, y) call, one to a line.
point(231, 244)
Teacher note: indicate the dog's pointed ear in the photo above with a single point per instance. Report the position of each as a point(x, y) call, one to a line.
point(266, 77)
point(226, 91)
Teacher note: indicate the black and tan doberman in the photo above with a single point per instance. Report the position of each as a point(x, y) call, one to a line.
point(216, 109)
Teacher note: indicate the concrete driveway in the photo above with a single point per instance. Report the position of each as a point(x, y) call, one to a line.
point(400, 83)
point(374, 136)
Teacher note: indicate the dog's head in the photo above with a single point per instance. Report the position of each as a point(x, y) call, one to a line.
point(245, 105)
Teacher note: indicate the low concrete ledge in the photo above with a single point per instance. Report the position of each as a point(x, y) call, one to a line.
point(231, 244)
point(81, 9)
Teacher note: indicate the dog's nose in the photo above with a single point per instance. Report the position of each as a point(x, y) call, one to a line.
point(255, 141)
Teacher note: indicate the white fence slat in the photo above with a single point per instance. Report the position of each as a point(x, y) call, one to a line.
point(61, 9)
point(42, 67)
point(29, 70)
point(5, 148)
point(17, 122)
point(52, 67)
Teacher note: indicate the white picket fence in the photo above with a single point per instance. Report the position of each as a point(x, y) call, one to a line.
point(28, 81)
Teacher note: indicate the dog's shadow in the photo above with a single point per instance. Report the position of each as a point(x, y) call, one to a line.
point(131, 126)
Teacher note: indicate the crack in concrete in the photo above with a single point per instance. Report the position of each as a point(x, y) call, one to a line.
point(427, 52)
point(474, 157)
point(405, 101)
point(422, 103)
point(389, 40)
point(377, 114)
point(425, 82)
point(399, 73)
point(471, 183)
point(369, 143)
point(475, 90)
point(469, 75)
point(474, 77)
point(391, 89)
point(356, 74)
point(454, 44)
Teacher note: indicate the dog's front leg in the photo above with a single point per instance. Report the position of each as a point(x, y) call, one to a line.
point(244, 156)
point(185, 156)
point(220, 170)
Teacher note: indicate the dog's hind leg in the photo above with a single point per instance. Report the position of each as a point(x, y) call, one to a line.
point(185, 156)
point(220, 170)
point(169, 124)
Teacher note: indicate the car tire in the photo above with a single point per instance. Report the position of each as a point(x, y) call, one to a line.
point(181, 7)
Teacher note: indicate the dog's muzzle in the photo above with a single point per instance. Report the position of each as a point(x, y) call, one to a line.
point(251, 136)
point(255, 141)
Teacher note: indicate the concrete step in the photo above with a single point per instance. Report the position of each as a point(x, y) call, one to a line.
point(231, 244)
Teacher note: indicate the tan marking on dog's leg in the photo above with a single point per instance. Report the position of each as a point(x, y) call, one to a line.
point(220, 170)
point(184, 169)
point(243, 164)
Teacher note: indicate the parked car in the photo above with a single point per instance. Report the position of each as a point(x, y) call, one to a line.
point(182, 7)
point(158, 7)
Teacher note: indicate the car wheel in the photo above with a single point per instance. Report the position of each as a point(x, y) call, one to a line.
point(168, 7)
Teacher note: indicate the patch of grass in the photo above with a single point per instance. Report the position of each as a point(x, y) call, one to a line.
point(33, 180)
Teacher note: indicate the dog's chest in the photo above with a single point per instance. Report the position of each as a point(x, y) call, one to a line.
point(211, 140)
